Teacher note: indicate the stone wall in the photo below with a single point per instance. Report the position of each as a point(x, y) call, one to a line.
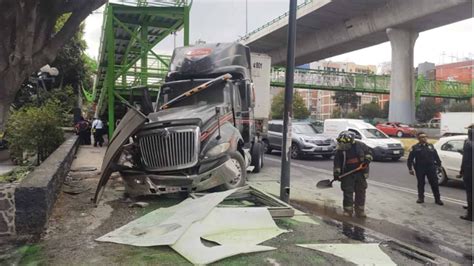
point(7, 209)
point(36, 194)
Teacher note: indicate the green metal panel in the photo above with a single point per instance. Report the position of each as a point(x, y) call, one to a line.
point(369, 83)
point(110, 76)
point(126, 58)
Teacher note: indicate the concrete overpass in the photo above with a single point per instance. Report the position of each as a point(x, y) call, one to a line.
point(326, 28)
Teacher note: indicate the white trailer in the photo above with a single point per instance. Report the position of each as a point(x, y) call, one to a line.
point(261, 66)
point(455, 123)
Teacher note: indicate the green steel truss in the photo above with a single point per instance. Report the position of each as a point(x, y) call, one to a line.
point(126, 58)
point(369, 83)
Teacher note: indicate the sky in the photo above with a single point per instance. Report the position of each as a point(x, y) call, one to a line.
point(225, 21)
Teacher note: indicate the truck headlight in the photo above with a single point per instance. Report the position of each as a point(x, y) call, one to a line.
point(218, 149)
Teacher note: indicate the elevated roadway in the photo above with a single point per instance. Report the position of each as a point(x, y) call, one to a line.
point(326, 28)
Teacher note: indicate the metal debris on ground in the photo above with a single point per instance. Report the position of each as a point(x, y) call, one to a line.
point(276, 207)
point(372, 254)
point(165, 226)
point(237, 230)
point(183, 227)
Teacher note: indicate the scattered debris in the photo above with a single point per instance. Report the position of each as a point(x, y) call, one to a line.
point(276, 207)
point(165, 225)
point(373, 255)
point(140, 204)
point(74, 187)
point(237, 230)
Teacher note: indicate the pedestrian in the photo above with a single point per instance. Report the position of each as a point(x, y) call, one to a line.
point(97, 129)
point(466, 171)
point(350, 154)
point(81, 128)
point(424, 159)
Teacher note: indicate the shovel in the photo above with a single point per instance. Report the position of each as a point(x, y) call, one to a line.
point(326, 183)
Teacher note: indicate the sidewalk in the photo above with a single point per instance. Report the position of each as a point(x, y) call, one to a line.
point(75, 223)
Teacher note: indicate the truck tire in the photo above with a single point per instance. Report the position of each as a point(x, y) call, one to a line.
point(240, 179)
point(266, 146)
point(399, 134)
point(257, 157)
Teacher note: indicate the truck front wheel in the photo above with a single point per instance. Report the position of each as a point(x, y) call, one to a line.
point(257, 157)
point(241, 176)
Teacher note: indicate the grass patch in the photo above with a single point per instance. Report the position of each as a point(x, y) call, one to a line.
point(409, 142)
point(17, 174)
point(30, 255)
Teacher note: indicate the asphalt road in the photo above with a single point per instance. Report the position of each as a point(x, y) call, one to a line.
point(387, 172)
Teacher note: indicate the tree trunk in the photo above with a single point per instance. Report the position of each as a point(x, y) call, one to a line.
point(9, 81)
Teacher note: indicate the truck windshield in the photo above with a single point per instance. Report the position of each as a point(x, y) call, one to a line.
point(372, 133)
point(304, 129)
point(213, 94)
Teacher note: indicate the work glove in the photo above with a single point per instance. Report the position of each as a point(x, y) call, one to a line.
point(336, 176)
point(367, 161)
point(411, 172)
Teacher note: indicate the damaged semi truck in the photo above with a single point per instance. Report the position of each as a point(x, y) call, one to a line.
point(198, 134)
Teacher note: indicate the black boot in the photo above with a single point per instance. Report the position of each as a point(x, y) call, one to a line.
point(467, 217)
point(420, 200)
point(439, 202)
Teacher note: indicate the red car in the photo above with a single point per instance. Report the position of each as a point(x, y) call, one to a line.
point(396, 129)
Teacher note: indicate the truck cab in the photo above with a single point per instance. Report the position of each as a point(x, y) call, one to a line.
point(200, 132)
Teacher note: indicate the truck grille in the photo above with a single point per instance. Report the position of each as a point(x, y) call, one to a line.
point(172, 148)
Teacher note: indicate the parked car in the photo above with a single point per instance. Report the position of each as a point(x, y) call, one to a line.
point(434, 123)
point(306, 140)
point(381, 146)
point(396, 129)
point(450, 153)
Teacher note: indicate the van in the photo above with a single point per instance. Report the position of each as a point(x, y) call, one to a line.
point(382, 146)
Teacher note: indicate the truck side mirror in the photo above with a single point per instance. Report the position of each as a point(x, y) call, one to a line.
point(357, 137)
point(250, 95)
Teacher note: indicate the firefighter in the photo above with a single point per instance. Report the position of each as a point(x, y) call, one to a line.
point(424, 158)
point(350, 154)
point(466, 171)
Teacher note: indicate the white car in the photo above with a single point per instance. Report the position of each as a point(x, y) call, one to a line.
point(450, 152)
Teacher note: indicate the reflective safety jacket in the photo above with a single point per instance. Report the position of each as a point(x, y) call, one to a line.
point(347, 160)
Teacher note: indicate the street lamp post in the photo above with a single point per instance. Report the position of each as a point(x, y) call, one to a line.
point(288, 107)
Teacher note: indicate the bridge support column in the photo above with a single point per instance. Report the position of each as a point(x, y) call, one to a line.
point(402, 87)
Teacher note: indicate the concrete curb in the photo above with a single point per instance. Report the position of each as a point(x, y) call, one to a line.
point(36, 194)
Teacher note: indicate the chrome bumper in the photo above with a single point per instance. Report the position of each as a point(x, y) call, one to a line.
point(139, 183)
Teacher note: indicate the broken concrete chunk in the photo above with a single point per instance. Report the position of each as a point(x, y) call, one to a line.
point(84, 169)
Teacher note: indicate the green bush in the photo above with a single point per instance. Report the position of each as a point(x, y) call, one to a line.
point(35, 130)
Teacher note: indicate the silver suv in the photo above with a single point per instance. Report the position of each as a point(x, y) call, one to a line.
point(306, 140)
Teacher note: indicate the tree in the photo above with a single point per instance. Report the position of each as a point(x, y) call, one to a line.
point(427, 109)
point(371, 110)
point(461, 107)
point(346, 100)
point(29, 40)
point(299, 109)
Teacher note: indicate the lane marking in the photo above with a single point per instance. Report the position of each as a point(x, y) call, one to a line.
point(375, 183)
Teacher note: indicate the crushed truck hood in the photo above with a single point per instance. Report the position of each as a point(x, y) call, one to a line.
point(203, 113)
point(130, 123)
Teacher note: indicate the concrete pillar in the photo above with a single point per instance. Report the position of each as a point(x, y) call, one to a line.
point(402, 82)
